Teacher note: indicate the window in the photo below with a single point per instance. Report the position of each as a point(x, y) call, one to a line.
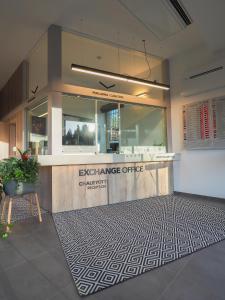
point(108, 127)
point(91, 125)
point(79, 126)
point(142, 129)
point(37, 119)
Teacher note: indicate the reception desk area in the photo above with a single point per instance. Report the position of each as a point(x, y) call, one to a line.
point(101, 137)
point(71, 181)
point(99, 152)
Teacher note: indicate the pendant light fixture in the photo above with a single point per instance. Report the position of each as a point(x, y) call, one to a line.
point(125, 78)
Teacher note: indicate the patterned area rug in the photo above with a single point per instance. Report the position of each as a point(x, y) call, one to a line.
point(21, 210)
point(109, 244)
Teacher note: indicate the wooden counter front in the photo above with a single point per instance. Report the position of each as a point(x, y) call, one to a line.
point(68, 187)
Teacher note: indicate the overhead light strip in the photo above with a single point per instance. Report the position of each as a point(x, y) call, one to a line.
point(45, 114)
point(42, 103)
point(125, 78)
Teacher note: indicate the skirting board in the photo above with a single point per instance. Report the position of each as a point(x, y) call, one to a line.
point(222, 200)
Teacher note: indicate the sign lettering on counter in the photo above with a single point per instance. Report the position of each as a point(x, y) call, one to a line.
point(105, 171)
point(102, 183)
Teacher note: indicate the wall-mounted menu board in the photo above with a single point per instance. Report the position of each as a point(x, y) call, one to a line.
point(204, 124)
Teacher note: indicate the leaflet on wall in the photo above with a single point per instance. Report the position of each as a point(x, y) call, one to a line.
point(204, 124)
point(218, 114)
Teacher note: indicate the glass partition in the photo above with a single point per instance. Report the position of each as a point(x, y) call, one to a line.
point(99, 126)
point(108, 127)
point(37, 123)
point(79, 125)
point(142, 129)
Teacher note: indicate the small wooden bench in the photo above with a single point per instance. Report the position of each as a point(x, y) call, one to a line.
point(8, 203)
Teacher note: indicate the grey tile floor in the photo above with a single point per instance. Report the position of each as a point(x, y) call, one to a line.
point(32, 266)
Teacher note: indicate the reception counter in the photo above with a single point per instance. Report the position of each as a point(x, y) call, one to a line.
point(73, 181)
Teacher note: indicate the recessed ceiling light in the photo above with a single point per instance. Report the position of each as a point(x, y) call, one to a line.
point(144, 94)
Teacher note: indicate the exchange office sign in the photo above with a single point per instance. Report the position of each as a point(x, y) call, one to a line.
point(102, 183)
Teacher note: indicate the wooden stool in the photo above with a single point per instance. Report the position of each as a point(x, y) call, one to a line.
point(7, 201)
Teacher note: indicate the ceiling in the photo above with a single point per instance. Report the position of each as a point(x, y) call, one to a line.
point(122, 22)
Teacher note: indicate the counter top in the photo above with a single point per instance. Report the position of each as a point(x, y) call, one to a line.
point(84, 159)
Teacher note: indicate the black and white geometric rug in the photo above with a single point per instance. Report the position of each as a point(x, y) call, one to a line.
point(109, 244)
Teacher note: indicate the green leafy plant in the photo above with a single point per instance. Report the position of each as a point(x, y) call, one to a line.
point(23, 169)
point(1, 189)
point(3, 230)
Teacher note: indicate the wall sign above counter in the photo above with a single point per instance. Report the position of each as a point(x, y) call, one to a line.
point(107, 95)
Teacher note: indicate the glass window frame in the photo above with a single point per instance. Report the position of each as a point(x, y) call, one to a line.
point(27, 130)
point(94, 149)
point(164, 109)
point(77, 149)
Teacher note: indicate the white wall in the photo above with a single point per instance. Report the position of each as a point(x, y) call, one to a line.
point(198, 171)
point(4, 150)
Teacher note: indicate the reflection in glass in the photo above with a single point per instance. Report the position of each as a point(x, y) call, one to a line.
point(78, 132)
point(108, 127)
point(78, 121)
point(37, 119)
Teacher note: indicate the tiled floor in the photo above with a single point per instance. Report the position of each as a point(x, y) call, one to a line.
point(32, 266)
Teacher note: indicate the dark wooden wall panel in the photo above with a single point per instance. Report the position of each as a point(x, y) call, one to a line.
point(15, 90)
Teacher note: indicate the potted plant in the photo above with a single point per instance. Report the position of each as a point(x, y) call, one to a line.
point(19, 175)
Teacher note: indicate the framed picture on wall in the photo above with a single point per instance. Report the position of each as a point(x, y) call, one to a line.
point(38, 125)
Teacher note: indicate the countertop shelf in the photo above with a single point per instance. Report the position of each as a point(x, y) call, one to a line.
point(84, 159)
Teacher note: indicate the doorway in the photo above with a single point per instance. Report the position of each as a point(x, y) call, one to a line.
point(12, 139)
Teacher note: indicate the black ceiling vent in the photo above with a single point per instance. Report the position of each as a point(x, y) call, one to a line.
point(206, 72)
point(181, 11)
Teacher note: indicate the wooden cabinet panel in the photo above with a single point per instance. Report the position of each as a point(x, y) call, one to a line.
point(82, 186)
